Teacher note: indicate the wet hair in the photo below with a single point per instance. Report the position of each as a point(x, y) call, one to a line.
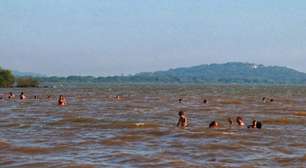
point(204, 101)
point(239, 118)
point(258, 125)
point(180, 113)
point(213, 124)
point(21, 93)
point(180, 100)
point(271, 100)
point(264, 98)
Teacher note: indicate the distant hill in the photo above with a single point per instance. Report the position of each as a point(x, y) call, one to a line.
point(233, 72)
point(228, 73)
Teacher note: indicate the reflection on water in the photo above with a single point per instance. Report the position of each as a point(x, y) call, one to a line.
point(138, 130)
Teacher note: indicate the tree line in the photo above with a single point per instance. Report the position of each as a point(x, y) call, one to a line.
point(7, 79)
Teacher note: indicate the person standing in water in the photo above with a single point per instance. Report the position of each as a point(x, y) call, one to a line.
point(182, 121)
point(62, 100)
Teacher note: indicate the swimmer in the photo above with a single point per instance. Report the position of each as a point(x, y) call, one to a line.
point(264, 100)
point(271, 100)
point(182, 121)
point(214, 124)
point(61, 100)
point(205, 101)
point(239, 121)
point(180, 100)
point(230, 121)
point(258, 125)
point(11, 95)
point(118, 97)
point(254, 124)
point(49, 97)
point(22, 96)
point(35, 97)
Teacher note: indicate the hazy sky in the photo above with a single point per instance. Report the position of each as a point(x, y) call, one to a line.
point(107, 37)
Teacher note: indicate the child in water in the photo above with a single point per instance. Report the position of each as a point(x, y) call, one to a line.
point(182, 121)
point(61, 100)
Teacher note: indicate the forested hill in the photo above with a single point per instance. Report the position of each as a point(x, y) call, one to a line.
point(228, 73)
point(232, 73)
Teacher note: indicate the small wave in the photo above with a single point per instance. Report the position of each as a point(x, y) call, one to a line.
point(222, 147)
point(4, 144)
point(300, 113)
point(74, 120)
point(283, 121)
point(230, 101)
point(122, 140)
point(126, 124)
point(39, 150)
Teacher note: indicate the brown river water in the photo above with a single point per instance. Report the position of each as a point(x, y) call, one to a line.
point(139, 130)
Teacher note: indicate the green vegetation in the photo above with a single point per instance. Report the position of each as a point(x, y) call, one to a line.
point(27, 82)
point(7, 78)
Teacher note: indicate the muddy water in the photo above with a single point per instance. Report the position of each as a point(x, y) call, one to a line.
point(95, 130)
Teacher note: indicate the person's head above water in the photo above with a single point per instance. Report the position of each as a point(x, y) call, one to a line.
point(214, 124)
point(11, 95)
point(22, 96)
point(239, 121)
point(61, 100)
point(181, 113)
point(258, 125)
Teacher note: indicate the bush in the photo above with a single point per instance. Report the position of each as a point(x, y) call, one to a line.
point(27, 82)
point(7, 78)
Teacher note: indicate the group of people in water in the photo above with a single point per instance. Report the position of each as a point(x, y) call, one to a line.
point(61, 100)
point(182, 121)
